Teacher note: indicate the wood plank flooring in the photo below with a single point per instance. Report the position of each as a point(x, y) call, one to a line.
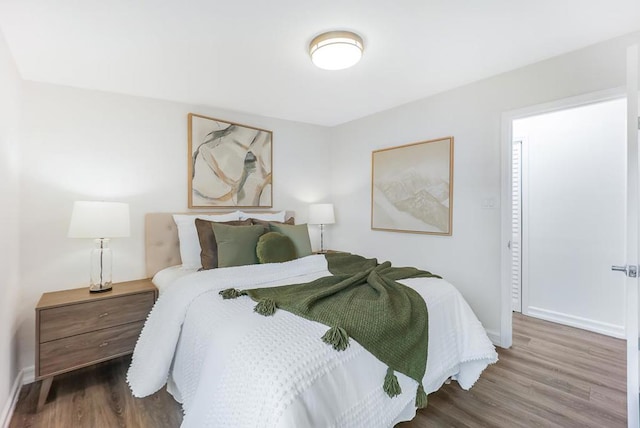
point(96, 397)
point(553, 376)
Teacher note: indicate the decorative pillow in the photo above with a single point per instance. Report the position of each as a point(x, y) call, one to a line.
point(189, 244)
point(279, 216)
point(265, 223)
point(299, 234)
point(237, 244)
point(208, 244)
point(274, 247)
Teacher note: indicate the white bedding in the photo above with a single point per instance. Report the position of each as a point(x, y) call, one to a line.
point(168, 276)
point(232, 367)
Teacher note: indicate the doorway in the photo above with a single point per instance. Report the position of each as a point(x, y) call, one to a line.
point(568, 210)
point(563, 172)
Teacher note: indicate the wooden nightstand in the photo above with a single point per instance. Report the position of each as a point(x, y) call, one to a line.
point(75, 328)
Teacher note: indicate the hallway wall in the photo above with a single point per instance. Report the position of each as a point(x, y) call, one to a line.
point(574, 181)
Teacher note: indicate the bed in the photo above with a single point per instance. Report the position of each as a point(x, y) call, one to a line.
point(229, 366)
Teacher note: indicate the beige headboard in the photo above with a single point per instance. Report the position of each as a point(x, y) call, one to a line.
point(162, 248)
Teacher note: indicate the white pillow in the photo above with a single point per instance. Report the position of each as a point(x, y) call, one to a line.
point(189, 243)
point(279, 216)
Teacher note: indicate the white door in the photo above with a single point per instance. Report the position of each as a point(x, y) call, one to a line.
point(633, 239)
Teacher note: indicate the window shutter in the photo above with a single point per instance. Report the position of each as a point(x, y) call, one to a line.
point(516, 227)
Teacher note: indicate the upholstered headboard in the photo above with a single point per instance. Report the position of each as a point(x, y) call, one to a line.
point(162, 248)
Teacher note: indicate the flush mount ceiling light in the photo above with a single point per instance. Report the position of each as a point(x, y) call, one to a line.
point(336, 50)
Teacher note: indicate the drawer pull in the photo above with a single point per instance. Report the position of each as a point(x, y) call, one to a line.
point(103, 315)
point(103, 344)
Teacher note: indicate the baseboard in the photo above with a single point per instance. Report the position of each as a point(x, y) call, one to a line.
point(579, 322)
point(12, 400)
point(29, 375)
point(494, 337)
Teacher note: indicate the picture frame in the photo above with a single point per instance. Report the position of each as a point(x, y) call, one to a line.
point(230, 165)
point(412, 188)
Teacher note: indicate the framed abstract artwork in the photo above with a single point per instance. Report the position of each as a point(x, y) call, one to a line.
point(412, 187)
point(230, 165)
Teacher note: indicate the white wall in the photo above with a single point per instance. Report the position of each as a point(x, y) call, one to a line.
point(574, 192)
point(470, 258)
point(10, 96)
point(84, 145)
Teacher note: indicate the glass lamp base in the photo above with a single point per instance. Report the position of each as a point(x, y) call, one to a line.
point(100, 280)
point(97, 288)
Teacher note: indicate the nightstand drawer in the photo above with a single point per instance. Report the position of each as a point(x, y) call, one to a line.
point(85, 349)
point(56, 323)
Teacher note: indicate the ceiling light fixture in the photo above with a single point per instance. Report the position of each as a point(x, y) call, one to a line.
point(336, 50)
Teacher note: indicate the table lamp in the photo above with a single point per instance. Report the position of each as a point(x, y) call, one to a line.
point(321, 214)
point(100, 221)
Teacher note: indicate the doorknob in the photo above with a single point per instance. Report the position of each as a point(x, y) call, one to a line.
point(629, 270)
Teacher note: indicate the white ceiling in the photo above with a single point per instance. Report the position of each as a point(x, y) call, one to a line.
point(251, 55)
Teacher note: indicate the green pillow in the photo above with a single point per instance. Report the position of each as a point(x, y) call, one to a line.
point(274, 247)
point(208, 244)
point(237, 244)
point(265, 224)
point(299, 234)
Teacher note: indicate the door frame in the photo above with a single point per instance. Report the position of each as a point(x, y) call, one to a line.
point(633, 237)
point(506, 327)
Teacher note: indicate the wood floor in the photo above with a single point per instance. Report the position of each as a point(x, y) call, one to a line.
point(95, 397)
point(553, 376)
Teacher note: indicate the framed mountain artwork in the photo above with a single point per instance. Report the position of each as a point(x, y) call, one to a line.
point(412, 187)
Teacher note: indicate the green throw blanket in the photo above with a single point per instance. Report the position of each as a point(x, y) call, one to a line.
point(363, 301)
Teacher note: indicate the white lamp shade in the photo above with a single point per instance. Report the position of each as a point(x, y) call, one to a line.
point(321, 214)
point(93, 219)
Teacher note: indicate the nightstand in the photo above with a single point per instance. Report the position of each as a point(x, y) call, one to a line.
point(75, 328)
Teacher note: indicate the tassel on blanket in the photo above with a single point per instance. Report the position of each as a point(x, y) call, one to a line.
point(232, 293)
point(336, 337)
point(391, 385)
point(421, 398)
point(266, 307)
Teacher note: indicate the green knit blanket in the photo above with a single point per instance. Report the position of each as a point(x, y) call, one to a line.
point(362, 300)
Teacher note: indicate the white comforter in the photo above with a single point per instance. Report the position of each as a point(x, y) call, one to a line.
point(231, 367)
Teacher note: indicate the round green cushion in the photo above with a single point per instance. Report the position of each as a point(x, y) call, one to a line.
point(274, 247)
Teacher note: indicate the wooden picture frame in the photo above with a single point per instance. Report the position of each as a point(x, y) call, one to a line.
point(412, 188)
point(229, 164)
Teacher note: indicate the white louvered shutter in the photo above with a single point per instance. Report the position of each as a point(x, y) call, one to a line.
point(516, 227)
